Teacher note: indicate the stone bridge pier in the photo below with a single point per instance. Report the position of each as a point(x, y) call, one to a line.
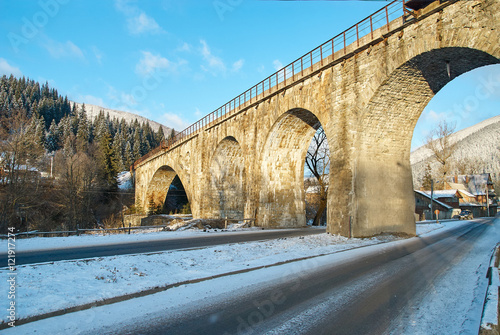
point(368, 98)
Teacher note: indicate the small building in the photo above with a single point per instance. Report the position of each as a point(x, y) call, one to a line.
point(478, 194)
point(449, 197)
point(423, 207)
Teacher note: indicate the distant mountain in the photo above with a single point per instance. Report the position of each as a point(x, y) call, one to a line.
point(93, 112)
point(480, 142)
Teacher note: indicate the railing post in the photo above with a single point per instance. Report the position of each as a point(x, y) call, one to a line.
point(387, 16)
point(311, 56)
point(302, 66)
point(345, 51)
point(371, 26)
point(357, 34)
point(333, 49)
point(321, 54)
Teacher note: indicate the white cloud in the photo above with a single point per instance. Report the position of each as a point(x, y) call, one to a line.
point(142, 24)
point(185, 47)
point(198, 113)
point(151, 62)
point(277, 65)
point(120, 100)
point(138, 22)
point(214, 62)
point(174, 121)
point(124, 7)
point(7, 69)
point(434, 117)
point(238, 65)
point(62, 50)
point(92, 100)
point(97, 54)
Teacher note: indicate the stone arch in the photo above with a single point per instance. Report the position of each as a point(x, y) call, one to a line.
point(402, 97)
point(281, 196)
point(383, 168)
point(227, 180)
point(159, 185)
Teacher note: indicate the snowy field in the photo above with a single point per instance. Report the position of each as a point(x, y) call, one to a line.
point(50, 287)
point(42, 243)
point(465, 281)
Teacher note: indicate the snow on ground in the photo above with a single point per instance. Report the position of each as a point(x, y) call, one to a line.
point(41, 243)
point(183, 299)
point(455, 303)
point(49, 287)
point(187, 298)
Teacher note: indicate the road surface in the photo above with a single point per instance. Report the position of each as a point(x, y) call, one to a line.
point(367, 295)
point(211, 239)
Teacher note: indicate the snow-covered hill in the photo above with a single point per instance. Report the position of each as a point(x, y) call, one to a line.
point(480, 142)
point(93, 112)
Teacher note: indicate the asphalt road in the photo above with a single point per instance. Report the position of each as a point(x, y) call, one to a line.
point(362, 296)
point(211, 239)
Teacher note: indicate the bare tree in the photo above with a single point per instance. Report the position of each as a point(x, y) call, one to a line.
point(468, 165)
point(78, 178)
point(318, 163)
point(19, 180)
point(439, 142)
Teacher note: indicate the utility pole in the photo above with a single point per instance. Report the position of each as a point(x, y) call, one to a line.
point(432, 194)
point(487, 200)
point(51, 166)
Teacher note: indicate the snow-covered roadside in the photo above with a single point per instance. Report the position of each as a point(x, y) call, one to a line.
point(41, 243)
point(455, 304)
point(168, 304)
point(50, 287)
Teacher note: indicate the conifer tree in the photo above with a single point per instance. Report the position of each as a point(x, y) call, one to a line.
point(159, 136)
point(427, 179)
point(107, 161)
point(128, 155)
point(52, 138)
point(137, 145)
point(118, 151)
point(83, 132)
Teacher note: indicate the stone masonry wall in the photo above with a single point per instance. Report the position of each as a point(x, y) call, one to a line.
point(368, 104)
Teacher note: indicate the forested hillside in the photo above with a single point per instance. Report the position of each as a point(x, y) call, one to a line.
point(58, 168)
point(93, 112)
point(477, 151)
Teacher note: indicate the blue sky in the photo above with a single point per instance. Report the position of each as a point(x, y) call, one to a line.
point(175, 61)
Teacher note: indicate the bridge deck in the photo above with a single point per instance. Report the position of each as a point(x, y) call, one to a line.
point(360, 36)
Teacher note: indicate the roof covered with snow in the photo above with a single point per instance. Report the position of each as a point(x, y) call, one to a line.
point(428, 196)
point(476, 183)
point(444, 193)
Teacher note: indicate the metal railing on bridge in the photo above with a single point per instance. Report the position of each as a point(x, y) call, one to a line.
point(325, 53)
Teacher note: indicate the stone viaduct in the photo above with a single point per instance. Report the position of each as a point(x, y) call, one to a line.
point(246, 160)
